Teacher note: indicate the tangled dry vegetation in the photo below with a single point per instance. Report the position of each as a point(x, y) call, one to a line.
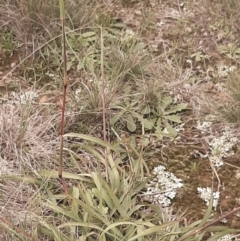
point(171, 100)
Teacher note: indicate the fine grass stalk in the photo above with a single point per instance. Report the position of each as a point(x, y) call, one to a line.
point(65, 83)
point(103, 103)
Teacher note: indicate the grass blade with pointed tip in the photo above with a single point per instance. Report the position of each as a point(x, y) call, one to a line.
point(92, 139)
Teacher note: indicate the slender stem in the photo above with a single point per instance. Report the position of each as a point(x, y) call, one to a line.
point(103, 104)
point(65, 84)
point(103, 89)
point(62, 132)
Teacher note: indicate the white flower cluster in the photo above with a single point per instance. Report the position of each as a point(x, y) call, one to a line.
point(227, 237)
point(223, 144)
point(223, 70)
point(237, 174)
point(163, 188)
point(206, 193)
point(216, 161)
point(180, 127)
point(27, 96)
point(221, 147)
point(203, 126)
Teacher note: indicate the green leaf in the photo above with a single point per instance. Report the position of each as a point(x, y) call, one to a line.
point(223, 49)
point(69, 65)
point(139, 46)
point(54, 174)
point(20, 177)
point(81, 64)
point(116, 118)
point(93, 212)
point(113, 173)
point(103, 195)
point(146, 110)
point(237, 51)
point(75, 195)
point(119, 25)
point(147, 124)
point(171, 131)
point(177, 108)
point(119, 223)
point(92, 139)
point(131, 124)
point(58, 209)
point(159, 125)
point(115, 200)
point(173, 118)
point(152, 230)
point(62, 9)
point(81, 224)
point(208, 212)
point(88, 34)
point(165, 102)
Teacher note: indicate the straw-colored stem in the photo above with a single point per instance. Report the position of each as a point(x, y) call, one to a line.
point(65, 84)
point(103, 104)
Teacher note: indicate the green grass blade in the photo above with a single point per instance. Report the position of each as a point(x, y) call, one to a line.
point(92, 139)
point(62, 11)
point(58, 209)
point(68, 175)
point(153, 230)
point(207, 214)
point(81, 224)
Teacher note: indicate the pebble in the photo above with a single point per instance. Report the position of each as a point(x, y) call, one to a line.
point(13, 65)
point(188, 30)
point(138, 13)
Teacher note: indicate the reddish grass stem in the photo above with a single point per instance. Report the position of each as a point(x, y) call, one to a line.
point(65, 84)
point(195, 231)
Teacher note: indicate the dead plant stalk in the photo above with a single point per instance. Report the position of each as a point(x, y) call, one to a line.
point(65, 84)
point(103, 103)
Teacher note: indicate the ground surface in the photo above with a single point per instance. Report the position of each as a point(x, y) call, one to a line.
point(195, 33)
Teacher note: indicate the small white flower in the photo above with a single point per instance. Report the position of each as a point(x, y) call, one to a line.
point(223, 70)
point(205, 194)
point(224, 220)
point(227, 237)
point(49, 74)
point(216, 161)
point(165, 131)
point(203, 126)
point(170, 195)
point(129, 32)
point(163, 188)
point(222, 145)
point(28, 96)
point(159, 24)
point(237, 175)
point(180, 127)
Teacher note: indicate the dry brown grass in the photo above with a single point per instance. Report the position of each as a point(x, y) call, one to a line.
point(27, 136)
point(34, 23)
point(28, 142)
